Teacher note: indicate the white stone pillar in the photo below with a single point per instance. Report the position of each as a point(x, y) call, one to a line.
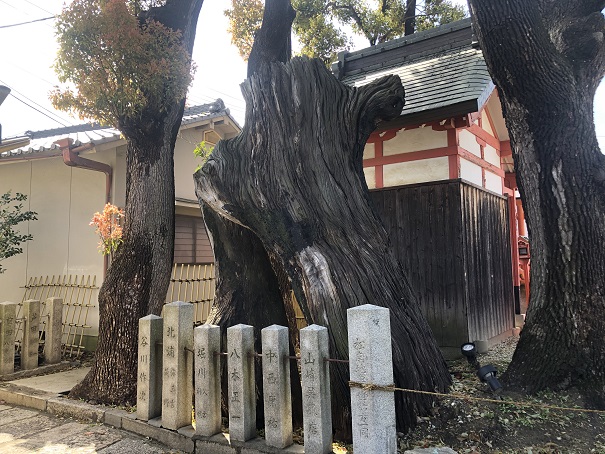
point(371, 361)
point(276, 386)
point(149, 373)
point(177, 382)
point(241, 385)
point(31, 334)
point(207, 347)
point(53, 332)
point(315, 376)
point(8, 313)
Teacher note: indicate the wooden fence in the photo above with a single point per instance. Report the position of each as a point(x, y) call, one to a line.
point(196, 284)
point(79, 294)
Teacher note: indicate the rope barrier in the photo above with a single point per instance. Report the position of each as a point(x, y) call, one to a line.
point(392, 388)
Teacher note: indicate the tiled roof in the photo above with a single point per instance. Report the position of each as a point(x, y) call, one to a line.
point(439, 68)
point(42, 142)
point(455, 76)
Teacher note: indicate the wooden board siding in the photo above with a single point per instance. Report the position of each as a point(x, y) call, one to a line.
point(489, 280)
point(191, 243)
point(451, 255)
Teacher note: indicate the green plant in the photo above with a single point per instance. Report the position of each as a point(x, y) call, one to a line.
point(11, 214)
point(203, 150)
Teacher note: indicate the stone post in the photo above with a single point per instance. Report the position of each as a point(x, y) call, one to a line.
point(53, 332)
point(240, 380)
point(276, 386)
point(370, 361)
point(207, 347)
point(149, 373)
point(31, 334)
point(315, 377)
point(8, 313)
point(177, 383)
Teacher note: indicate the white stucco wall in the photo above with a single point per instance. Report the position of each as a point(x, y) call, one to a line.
point(491, 155)
point(433, 169)
point(370, 174)
point(17, 178)
point(493, 182)
point(407, 141)
point(471, 172)
point(185, 163)
point(485, 124)
point(468, 141)
point(65, 199)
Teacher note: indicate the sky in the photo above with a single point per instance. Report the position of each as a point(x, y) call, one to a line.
point(29, 50)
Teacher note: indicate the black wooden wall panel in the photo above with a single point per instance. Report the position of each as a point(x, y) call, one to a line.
point(488, 263)
point(452, 241)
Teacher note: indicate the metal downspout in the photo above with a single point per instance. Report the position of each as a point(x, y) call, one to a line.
point(72, 159)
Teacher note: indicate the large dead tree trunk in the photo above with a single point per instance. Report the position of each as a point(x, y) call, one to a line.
point(294, 178)
point(547, 58)
point(248, 291)
point(410, 17)
point(137, 280)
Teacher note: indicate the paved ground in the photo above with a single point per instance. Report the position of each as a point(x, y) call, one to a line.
point(28, 431)
point(60, 383)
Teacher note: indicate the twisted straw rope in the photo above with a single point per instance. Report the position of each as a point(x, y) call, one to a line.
point(392, 388)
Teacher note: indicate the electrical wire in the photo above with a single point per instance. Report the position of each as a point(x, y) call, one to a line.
point(37, 110)
point(28, 22)
point(39, 7)
point(52, 84)
point(40, 106)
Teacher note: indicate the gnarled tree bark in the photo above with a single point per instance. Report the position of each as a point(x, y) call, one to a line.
point(249, 292)
point(294, 178)
point(547, 58)
point(138, 278)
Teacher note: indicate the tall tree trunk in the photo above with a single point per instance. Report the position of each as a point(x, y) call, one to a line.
point(248, 291)
point(547, 58)
point(138, 279)
point(410, 18)
point(294, 178)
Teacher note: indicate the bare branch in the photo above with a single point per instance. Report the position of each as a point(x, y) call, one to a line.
point(273, 41)
point(354, 15)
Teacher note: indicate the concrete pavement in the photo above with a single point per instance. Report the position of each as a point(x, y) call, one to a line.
point(27, 431)
point(35, 416)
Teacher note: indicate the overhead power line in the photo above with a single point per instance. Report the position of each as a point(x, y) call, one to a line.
point(37, 6)
point(28, 22)
point(50, 112)
point(38, 110)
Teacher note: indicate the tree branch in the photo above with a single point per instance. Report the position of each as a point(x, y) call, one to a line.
point(273, 42)
point(410, 17)
point(354, 15)
point(577, 31)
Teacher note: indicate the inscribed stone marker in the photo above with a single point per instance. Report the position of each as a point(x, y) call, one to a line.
point(31, 334)
point(149, 373)
point(177, 386)
point(276, 386)
point(315, 376)
point(371, 361)
point(241, 385)
point(8, 313)
point(207, 347)
point(52, 334)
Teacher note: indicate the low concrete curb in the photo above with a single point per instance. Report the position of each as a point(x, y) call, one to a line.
point(183, 439)
point(40, 370)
